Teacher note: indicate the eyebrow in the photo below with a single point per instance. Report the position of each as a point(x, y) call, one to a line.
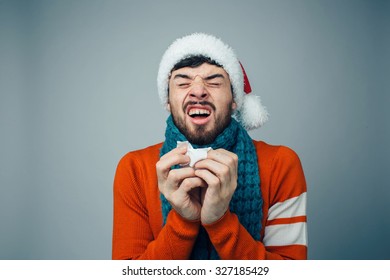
point(177, 76)
point(214, 76)
point(184, 76)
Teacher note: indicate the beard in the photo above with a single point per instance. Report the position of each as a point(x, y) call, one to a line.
point(199, 134)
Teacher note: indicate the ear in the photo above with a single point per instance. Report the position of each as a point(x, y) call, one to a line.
point(234, 105)
point(168, 107)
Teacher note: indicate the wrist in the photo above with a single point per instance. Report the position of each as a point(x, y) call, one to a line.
point(210, 220)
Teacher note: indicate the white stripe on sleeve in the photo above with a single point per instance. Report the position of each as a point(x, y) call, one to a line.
point(285, 234)
point(289, 208)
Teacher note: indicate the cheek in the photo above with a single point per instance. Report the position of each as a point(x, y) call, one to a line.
point(176, 100)
point(174, 106)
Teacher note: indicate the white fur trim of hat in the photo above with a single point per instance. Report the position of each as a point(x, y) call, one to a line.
point(250, 112)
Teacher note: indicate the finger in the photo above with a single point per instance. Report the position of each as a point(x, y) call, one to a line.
point(176, 154)
point(211, 180)
point(190, 183)
point(170, 185)
point(222, 171)
point(178, 150)
point(223, 156)
point(175, 157)
point(176, 176)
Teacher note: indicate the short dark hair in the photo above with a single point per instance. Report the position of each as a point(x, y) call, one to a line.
point(194, 61)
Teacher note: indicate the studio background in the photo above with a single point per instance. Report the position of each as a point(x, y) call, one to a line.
point(78, 91)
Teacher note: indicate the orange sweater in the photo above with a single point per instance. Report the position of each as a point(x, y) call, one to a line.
point(138, 232)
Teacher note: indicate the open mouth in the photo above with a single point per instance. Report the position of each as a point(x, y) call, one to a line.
point(197, 113)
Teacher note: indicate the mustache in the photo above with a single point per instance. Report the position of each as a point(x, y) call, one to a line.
point(203, 103)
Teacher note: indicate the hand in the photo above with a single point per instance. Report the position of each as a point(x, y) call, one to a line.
point(180, 186)
point(219, 171)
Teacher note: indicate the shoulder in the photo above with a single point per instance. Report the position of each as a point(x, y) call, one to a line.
point(148, 154)
point(282, 169)
point(272, 154)
point(142, 161)
point(136, 167)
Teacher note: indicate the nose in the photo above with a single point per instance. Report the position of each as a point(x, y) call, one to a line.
point(198, 89)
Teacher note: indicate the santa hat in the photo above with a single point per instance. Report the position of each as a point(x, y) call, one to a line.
point(250, 112)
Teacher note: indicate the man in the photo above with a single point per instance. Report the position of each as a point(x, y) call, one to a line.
point(209, 191)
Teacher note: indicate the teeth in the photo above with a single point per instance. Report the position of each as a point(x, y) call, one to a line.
point(199, 112)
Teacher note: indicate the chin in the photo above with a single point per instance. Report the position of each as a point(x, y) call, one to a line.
point(200, 136)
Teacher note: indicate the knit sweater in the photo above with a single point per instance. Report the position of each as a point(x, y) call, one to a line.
point(138, 231)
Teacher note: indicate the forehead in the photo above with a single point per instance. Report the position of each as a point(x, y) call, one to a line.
point(203, 71)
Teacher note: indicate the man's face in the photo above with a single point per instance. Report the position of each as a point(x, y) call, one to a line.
point(201, 102)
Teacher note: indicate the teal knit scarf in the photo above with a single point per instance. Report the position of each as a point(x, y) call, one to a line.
point(246, 202)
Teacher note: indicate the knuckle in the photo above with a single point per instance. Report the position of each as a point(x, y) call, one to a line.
point(224, 170)
point(158, 166)
point(185, 183)
point(214, 181)
point(230, 161)
point(173, 175)
point(177, 158)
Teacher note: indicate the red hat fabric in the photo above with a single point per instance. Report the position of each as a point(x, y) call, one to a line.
point(247, 85)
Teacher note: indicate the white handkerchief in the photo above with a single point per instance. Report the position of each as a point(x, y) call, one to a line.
point(194, 154)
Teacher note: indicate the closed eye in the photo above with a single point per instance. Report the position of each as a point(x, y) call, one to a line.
point(215, 80)
point(215, 84)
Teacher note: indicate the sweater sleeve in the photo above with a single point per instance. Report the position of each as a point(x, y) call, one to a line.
point(285, 223)
point(133, 237)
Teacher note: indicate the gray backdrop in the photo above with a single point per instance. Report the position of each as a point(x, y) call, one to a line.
point(78, 91)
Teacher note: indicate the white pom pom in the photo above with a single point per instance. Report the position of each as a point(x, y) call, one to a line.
point(252, 113)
